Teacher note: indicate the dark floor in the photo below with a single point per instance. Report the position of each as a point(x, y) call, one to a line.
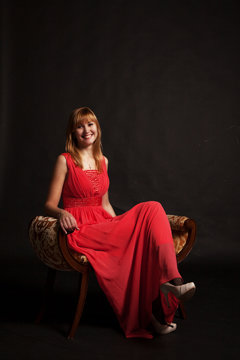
point(211, 330)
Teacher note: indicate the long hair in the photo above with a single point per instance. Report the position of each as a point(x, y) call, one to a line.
point(77, 117)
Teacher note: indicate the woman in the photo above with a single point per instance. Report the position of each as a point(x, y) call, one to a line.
point(132, 254)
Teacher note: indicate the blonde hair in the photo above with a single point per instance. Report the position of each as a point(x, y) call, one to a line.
point(77, 117)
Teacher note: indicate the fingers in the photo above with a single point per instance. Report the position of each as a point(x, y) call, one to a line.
point(74, 223)
point(63, 226)
point(68, 223)
point(63, 229)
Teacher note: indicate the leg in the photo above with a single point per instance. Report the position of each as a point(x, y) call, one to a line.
point(169, 275)
point(157, 310)
point(51, 276)
point(182, 292)
point(162, 243)
point(80, 304)
point(177, 281)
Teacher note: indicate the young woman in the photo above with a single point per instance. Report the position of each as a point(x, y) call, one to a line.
point(132, 254)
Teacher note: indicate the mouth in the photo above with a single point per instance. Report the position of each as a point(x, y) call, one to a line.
point(87, 136)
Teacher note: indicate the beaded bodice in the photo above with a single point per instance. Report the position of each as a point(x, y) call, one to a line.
point(84, 187)
point(93, 176)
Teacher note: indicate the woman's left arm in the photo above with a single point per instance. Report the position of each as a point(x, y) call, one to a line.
point(107, 206)
point(105, 199)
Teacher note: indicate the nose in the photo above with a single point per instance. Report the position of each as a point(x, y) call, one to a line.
point(85, 129)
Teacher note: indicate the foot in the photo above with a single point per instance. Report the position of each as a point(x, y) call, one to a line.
point(163, 329)
point(182, 292)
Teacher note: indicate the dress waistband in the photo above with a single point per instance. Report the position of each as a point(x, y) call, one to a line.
point(88, 201)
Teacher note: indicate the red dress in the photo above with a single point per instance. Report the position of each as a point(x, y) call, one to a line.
point(132, 254)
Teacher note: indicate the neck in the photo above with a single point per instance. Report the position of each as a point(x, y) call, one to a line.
point(86, 152)
point(87, 158)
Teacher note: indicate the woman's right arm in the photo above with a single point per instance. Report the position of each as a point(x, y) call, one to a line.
point(67, 221)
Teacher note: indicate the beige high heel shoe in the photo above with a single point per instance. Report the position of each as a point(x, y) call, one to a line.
point(182, 292)
point(162, 329)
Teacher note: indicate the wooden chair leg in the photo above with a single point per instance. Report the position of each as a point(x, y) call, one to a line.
point(80, 304)
point(51, 276)
point(182, 311)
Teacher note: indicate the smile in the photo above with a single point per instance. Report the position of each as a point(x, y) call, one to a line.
point(87, 136)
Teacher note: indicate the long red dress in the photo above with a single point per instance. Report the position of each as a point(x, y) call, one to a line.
point(132, 254)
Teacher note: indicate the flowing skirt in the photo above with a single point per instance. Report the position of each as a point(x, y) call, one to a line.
point(132, 255)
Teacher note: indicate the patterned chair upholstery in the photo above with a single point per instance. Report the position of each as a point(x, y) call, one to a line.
point(50, 245)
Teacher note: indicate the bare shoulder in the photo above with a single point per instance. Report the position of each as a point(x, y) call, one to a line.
point(61, 163)
point(106, 161)
point(61, 159)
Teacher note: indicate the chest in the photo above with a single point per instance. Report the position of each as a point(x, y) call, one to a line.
point(85, 183)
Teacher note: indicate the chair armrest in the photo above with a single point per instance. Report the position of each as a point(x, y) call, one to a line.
point(51, 246)
point(43, 235)
point(184, 233)
point(77, 261)
point(177, 222)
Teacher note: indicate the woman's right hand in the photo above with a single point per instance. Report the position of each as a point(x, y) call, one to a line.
point(68, 222)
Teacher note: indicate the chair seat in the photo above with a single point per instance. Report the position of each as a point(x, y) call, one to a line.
point(44, 237)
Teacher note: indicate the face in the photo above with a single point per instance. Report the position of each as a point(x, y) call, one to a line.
point(86, 133)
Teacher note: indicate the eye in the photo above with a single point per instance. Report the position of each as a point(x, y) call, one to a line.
point(90, 124)
point(79, 126)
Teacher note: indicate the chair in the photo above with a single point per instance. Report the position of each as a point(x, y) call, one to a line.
point(50, 244)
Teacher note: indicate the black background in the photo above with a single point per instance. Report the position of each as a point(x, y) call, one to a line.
point(162, 78)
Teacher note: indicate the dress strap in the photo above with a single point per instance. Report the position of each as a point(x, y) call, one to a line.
point(68, 158)
point(66, 155)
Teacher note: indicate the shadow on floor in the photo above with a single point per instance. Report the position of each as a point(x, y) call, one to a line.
point(210, 330)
